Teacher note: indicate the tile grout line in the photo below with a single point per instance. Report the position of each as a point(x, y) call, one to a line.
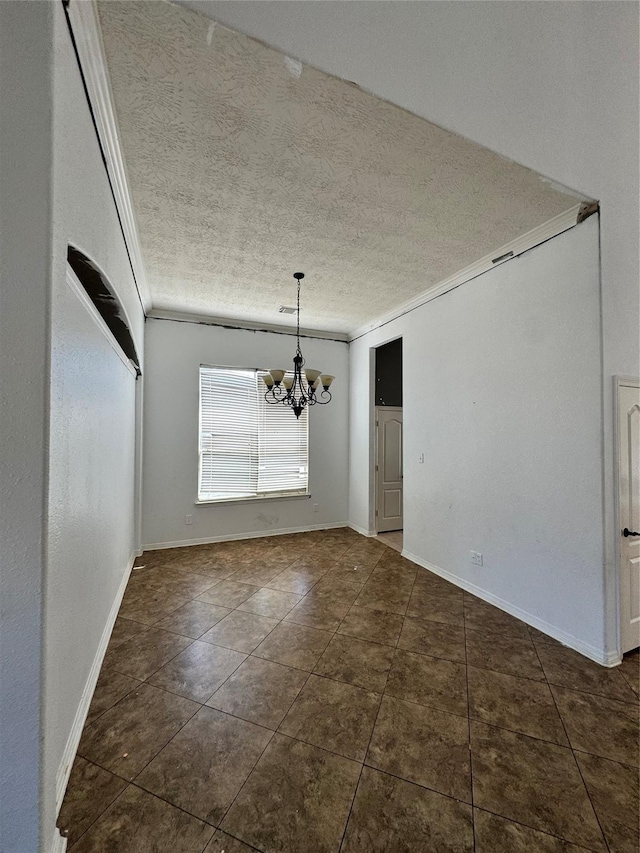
point(575, 760)
point(366, 752)
point(333, 633)
point(466, 670)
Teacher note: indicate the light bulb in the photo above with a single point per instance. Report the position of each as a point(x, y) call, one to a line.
point(288, 382)
point(268, 380)
point(277, 375)
point(311, 375)
point(326, 380)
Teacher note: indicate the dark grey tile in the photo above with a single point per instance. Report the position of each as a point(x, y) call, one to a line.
point(223, 843)
point(297, 799)
point(334, 716)
point(399, 574)
point(433, 638)
point(337, 589)
point(567, 668)
point(353, 570)
point(193, 619)
point(198, 671)
point(380, 594)
point(437, 608)
point(297, 578)
point(432, 584)
point(270, 602)
point(175, 582)
point(496, 835)
point(630, 670)
point(144, 654)
point(111, 687)
point(356, 662)
point(294, 645)
point(598, 725)
point(126, 737)
point(257, 574)
point(518, 704)
point(228, 593)
point(124, 629)
point(532, 782)
point(481, 616)
point(422, 745)
point(259, 691)
point(138, 822)
point(503, 653)
point(429, 681)
point(613, 789)
point(377, 626)
point(540, 638)
point(321, 613)
point(89, 792)
point(391, 814)
point(240, 631)
point(206, 763)
point(151, 607)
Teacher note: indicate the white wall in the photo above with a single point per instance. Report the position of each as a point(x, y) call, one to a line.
point(553, 86)
point(25, 243)
point(67, 446)
point(91, 537)
point(501, 391)
point(174, 352)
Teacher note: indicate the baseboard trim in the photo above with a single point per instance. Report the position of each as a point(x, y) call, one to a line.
point(608, 659)
point(59, 843)
point(361, 530)
point(256, 534)
point(62, 776)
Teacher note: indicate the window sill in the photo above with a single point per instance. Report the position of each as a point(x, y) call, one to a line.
point(304, 497)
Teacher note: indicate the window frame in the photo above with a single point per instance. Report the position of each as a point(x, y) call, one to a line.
point(279, 496)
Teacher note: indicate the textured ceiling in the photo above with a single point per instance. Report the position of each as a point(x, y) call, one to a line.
point(245, 167)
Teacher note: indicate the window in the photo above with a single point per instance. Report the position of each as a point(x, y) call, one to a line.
point(248, 448)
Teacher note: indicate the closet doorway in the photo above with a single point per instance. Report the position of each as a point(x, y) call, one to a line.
point(388, 454)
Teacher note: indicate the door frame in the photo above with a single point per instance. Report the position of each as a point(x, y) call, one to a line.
point(618, 382)
point(377, 409)
point(372, 426)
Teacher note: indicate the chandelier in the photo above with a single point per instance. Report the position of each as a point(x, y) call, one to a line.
point(296, 391)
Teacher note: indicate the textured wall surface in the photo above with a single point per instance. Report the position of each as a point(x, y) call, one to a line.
point(90, 537)
point(174, 352)
point(242, 171)
point(501, 381)
point(26, 35)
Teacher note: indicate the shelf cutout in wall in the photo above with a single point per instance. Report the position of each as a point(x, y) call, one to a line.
point(107, 304)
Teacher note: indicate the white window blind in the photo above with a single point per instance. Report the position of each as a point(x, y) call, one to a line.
point(247, 447)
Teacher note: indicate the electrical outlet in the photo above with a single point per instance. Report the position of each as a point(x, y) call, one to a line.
point(476, 558)
point(316, 507)
point(188, 519)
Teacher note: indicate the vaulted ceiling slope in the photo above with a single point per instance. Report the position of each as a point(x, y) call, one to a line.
point(245, 166)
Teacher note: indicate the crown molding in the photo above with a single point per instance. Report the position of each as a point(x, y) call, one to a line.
point(248, 325)
point(539, 234)
point(83, 18)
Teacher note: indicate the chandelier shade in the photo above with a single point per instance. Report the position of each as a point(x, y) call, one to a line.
point(301, 387)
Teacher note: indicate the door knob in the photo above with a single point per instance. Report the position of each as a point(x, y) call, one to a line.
point(627, 532)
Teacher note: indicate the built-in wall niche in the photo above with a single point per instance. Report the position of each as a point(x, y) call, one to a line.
point(389, 374)
point(102, 294)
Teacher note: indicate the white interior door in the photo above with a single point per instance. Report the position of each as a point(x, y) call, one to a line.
point(388, 468)
point(629, 503)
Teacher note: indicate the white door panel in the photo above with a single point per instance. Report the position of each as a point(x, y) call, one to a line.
point(388, 468)
point(629, 503)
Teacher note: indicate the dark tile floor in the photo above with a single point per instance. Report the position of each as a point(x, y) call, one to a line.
point(317, 692)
